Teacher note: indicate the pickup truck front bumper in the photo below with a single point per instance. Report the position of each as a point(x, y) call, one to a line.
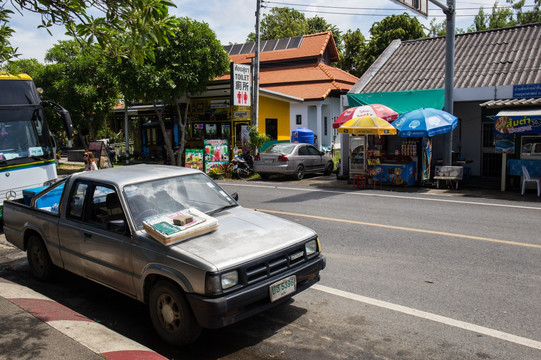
point(230, 308)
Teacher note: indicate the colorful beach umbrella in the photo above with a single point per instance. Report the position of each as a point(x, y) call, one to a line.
point(367, 125)
point(425, 123)
point(378, 110)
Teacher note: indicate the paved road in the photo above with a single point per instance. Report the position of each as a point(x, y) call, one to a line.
point(384, 295)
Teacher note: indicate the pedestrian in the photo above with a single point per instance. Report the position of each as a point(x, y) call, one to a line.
point(90, 161)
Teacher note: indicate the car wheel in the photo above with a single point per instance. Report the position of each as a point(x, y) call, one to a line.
point(170, 314)
point(299, 173)
point(264, 176)
point(329, 168)
point(39, 261)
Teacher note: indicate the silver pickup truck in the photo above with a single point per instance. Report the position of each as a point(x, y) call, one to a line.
point(92, 224)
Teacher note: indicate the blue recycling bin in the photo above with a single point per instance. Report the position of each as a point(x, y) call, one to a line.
point(302, 135)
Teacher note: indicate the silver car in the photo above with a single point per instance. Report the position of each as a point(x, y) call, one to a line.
point(293, 159)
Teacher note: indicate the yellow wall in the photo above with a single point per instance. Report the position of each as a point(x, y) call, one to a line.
point(275, 109)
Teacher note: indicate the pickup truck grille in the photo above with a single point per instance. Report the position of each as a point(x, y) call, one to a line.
point(274, 264)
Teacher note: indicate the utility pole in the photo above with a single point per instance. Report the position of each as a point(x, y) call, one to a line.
point(450, 12)
point(255, 100)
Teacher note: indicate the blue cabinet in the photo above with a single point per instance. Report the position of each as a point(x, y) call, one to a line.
point(394, 174)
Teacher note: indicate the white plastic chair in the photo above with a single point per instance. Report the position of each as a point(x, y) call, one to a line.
point(526, 179)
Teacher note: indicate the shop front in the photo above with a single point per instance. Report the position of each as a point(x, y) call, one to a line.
point(518, 139)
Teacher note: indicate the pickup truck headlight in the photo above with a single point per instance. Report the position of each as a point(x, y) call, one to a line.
point(217, 283)
point(310, 247)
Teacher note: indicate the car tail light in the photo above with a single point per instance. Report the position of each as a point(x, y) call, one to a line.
point(282, 158)
point(257, 157)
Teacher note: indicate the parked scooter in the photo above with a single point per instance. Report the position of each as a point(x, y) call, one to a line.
point(243, 166)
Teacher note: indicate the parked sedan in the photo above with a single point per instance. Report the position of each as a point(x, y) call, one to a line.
point(292, 159)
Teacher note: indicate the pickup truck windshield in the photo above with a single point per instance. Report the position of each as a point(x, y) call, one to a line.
point(169, 195)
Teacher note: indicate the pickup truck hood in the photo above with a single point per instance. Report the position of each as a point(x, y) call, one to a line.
point(243, 235)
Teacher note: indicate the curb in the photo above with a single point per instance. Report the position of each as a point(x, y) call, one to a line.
point(96, 337)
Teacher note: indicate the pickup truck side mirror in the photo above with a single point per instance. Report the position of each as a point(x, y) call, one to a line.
point(117, 226)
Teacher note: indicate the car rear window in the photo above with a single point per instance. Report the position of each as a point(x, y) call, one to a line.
point(281, 148)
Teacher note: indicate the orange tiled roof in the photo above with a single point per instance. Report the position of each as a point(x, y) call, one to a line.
point(309, 81)
point(312, 45)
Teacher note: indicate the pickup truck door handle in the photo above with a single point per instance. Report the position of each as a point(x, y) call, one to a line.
point(87, 236)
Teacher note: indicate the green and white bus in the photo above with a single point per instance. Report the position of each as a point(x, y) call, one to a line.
point(27, 150)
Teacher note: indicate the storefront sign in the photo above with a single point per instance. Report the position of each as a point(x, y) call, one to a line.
point(527, 91)
point(194, 159)
point(241, 88)
point(518, 122)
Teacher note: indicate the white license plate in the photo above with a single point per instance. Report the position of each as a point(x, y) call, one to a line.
point(283, 288)
point(268, 161)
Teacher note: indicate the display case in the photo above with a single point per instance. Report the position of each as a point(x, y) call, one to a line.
point(530, 147)
point(357, 155)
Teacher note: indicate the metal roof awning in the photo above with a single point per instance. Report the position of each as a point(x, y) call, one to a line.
point(401, 101)
point(511, 103)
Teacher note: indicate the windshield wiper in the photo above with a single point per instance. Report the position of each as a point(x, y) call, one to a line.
point(220, 209)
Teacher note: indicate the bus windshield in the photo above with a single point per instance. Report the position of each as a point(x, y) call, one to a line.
point(23, 136)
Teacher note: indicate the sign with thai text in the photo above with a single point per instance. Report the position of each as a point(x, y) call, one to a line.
point(527, 91)
point(517, 122)
point(241, 88)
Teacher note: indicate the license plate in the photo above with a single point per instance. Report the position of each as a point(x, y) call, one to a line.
point(283, 288)
point(268, 161)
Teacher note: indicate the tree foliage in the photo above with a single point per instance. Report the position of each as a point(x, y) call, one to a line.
point(354, 48)
point(501, 17)
point(403, 27)
point(121, 27)
point(183, 67)
point(78, 79)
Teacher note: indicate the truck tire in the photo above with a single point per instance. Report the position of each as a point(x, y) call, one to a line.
point(171, 315)
point(39, 261)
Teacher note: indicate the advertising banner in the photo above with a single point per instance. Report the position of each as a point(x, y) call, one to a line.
point(518, 122)
point(216, 153)
point(194, 159)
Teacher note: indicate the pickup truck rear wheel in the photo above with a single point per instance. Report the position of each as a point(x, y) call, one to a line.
point(40, 263)
point(170, 314)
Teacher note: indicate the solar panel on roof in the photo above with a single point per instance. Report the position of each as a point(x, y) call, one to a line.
point(269, 45)
point(294, 42)
point(247, 48)
point(282, 44)
point(227, 48)
point(235, 50)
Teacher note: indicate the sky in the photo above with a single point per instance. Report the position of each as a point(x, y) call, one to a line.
point(233, 20)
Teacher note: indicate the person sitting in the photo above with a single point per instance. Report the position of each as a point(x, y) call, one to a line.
point(90, 161)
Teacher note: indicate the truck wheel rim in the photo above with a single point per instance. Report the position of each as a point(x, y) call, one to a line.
point(168, 312)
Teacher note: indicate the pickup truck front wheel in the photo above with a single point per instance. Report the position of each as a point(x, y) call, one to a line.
point(170, 314)
point(40, 263)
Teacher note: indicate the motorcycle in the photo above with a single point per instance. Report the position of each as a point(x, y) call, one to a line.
point(241, 165)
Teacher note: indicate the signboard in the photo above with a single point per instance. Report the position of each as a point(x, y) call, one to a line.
point(518, 122)
point(241, 86)
point(419, 6)
point(505, 143)
point(527, 91)
point(216, 153)
point(194, 159)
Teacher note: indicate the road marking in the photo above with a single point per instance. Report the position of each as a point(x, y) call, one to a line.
point(433, 232)
point(433, 317)
point(371, 194)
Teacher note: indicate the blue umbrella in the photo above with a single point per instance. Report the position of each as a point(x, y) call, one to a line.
point(425, 122)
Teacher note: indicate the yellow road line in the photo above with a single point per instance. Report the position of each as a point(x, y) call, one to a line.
point(405, 229)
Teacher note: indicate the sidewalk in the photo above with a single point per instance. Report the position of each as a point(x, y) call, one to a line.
point(33, 326)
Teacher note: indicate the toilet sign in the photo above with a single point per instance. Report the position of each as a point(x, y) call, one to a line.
point(241, 88)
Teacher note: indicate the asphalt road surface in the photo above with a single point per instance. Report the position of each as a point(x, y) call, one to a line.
point(408, 276)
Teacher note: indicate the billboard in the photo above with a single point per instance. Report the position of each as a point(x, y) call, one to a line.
point(419, 6)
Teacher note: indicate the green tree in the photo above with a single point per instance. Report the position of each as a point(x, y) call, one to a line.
point(403, 27)
point(501, 17)
point(78, 79)
point(318, 24)
point(121, 27)
point(354, 47)
point(183, 67)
